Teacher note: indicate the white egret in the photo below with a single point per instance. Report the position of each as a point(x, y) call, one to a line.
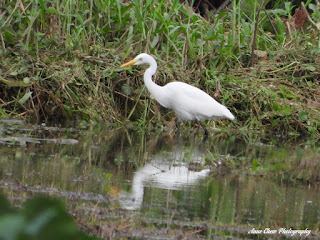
point(188, 102)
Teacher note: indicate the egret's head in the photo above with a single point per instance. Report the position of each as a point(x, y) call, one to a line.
point(142, 58)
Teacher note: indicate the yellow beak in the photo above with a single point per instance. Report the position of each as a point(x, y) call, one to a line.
point(129, 63)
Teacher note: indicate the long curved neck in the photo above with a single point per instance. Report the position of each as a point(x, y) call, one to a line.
point(155, 90)
point(147, 77)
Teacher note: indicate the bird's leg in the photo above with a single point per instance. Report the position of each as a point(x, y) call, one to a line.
point(178, 126)
point(206, 133)
point(178, 132)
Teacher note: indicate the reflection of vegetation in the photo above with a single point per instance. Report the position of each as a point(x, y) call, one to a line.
point(285, 163)
point(253, 182)
point(38, 219)
point(255, 201)
point(60, 60)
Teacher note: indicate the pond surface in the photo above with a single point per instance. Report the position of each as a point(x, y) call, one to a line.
point(133, 184)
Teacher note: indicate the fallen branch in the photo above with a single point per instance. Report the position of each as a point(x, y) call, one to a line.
point(14, 83)
point(254, 39)
point(313, 103)
point(223, 6)
point(218, 90)
point(315, 25)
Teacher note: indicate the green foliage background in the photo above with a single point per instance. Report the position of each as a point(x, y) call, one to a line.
point(60, 60)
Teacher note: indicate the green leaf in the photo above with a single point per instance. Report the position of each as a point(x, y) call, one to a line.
point(51, 10)
point(275, 122)
point(14, 73)
point(25, 97)
point(40, 221)
point(5, 205)
point(286, 110)
point(67, 108)
point(11, 226)
point(108, 176)
point(9, 36)
point(313, 7)
point(14, 83)
point(174, 30)
point(47, 219)
point(282, 111)
point(26, 80)
point(310, 84)
point(285, 93)
point(41, 6)
point(155, 41)
point(255, 164)
point(310, 68)
point(127, 90)
point(303, 116)
point(276, 107)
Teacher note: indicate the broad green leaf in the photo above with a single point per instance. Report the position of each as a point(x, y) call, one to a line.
point(25, 97)
point(286, 110)
point(255, 164)
point(285, 93)
point(310, 84)
point(26, 80)
point(303, 116)
point(311, 68)
point(155, 41)
point(14, 73)
point(127, 90)
point(40, 221)
point(276, 107)
point(174, 29)
point(51, 10)
point(11, 226)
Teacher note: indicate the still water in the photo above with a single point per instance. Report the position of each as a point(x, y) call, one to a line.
point(224, 186)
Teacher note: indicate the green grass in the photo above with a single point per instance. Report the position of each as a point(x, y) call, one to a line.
point(60, 60)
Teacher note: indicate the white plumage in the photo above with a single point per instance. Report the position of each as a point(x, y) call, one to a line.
point(188, 102)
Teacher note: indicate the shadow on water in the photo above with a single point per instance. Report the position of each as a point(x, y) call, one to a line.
point(223, 186)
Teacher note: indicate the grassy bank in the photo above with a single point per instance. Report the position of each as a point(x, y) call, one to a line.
point(60, 60)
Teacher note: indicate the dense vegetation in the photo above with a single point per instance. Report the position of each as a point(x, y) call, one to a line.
point(60, 60)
